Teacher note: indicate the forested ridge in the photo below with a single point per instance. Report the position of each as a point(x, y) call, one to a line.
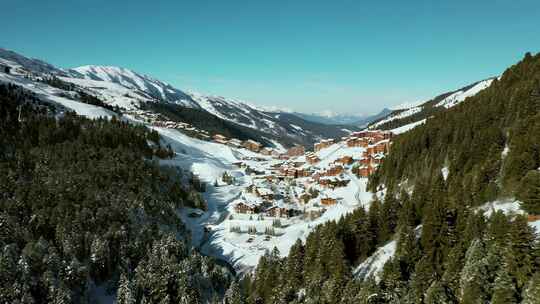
point(84, 203)
point(447, 250)
point(427, 109)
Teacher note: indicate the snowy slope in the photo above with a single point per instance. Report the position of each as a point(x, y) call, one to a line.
point(397, 115)
point(56, 96)
point(19, 62)
point(414, 115)
point(130, 79)
point(244, 255)
point(461, 95)
point(408, 127)
point(374, 264)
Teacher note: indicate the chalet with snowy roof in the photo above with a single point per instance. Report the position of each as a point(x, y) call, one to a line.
point(220, 139)
point(333, 182)
point(345, 160)
point(277, 211)
point(381, 147)
point(365, 171)
point(323, 144)
point(264, 193)
point(366, 160)
point(312, 158)
point(245, 208)
point(357, 142)
point(296, 151)
point(328, 201)
point(252, 145)
point(377, 159)
point(266, 151)
point(334, 170)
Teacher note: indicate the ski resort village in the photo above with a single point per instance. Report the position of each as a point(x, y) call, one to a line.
point(260, 198)
point(263, 197)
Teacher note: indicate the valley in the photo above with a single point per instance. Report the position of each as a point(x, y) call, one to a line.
point(259, 195)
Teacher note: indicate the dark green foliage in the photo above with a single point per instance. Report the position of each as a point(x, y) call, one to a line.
point(529, 191)
point(83, 202)
point(469, 139)
point(457, 255)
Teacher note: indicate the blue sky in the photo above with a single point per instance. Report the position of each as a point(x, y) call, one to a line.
point(344, 56)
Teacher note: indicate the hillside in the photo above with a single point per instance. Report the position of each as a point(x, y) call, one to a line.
point(452, 226)
point(410, 117)
point(88, 214)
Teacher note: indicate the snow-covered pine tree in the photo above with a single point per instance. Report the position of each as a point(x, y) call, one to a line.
point(126, 291)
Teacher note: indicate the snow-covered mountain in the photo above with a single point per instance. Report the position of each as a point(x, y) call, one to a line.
point(128, 89)
point(406, 118)
point(239, 112)
point(133, 80)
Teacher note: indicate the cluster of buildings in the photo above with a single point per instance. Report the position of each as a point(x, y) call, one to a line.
point(272, 194)
point(262, 200)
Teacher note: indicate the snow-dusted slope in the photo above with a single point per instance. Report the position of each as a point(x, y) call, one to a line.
point(461, 95)
point(373, 265)
point(130, 79)
point(19, 62)
point(56, 96)
point(397, 115)
point(407, 118)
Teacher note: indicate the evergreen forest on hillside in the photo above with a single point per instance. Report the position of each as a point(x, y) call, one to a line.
point(86, 208)
point(447, 250)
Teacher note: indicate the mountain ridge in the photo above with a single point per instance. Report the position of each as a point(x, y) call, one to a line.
point(128, 89)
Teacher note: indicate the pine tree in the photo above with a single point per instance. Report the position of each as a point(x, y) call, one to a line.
point(234, 294)
point(504, 291)
point(531, 294)
point(126, 292)
point(437, 293)
point(529, 192)
point(521, 259)
point(473, 281)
